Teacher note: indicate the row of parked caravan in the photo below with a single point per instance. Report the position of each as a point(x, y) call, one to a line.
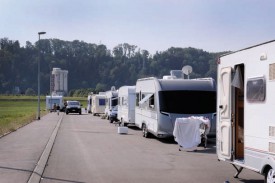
point(154, 104)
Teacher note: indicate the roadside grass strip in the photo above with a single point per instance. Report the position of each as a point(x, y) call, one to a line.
point(17, 113)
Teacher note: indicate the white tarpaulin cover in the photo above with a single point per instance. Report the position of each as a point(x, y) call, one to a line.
point(187, 131)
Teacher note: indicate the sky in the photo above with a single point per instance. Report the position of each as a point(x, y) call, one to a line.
point(153, 25)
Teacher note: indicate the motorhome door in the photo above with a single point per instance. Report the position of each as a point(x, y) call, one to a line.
point(224, 103)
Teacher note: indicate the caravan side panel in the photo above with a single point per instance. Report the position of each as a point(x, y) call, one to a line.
point(258, 108)
point(131, 107)
point(98, 104)
point(126, 106)
point(143, 113)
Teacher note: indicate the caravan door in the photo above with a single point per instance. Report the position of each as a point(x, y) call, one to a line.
point(224, 103)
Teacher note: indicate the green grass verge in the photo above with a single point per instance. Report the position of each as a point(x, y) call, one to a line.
point(17, 111)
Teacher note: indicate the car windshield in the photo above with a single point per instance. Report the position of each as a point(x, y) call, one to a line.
point(187, 102)
point(73, 103)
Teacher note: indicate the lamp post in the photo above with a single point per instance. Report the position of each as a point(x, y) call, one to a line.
point(38, 75)
point(51, 84)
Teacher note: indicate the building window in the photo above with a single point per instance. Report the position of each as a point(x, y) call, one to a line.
point(256, 89)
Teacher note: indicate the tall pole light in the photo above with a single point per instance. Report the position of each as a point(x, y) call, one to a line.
point(38, 75)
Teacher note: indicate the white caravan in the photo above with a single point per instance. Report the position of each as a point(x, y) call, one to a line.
point(245, 108)
point(98, 104)
point(111, 101)
point(57, 100)
point(126, 105)
point(160, 101)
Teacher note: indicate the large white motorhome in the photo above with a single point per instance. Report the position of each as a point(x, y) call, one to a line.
point(126, 105)
point(111, 101)
point(245, 106)
point(98, 104)
point(160, 101)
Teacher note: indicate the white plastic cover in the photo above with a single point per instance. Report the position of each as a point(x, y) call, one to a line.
point(187, 131)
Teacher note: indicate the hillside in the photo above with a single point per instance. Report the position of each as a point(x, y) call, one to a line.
point(93, 66)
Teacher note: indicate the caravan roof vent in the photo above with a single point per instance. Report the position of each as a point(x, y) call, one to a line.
point(176, 74)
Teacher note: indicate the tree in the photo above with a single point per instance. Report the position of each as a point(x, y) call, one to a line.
point(30, 92)
point(100, 87)
point(92, 65)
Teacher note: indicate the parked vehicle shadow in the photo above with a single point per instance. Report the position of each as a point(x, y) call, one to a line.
point(169, 140)
point(250, 181)
point(133, 127)
point(75, 114)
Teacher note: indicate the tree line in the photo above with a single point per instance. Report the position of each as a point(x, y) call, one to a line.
point(92, 67)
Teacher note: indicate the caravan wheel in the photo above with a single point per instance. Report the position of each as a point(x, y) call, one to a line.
point(270, 176)
point(145, 131)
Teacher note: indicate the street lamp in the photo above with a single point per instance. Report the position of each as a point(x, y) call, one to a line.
point(38, 75)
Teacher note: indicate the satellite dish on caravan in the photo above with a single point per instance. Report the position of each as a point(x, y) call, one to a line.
point(187, 70)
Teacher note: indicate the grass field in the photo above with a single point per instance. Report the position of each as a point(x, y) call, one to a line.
point(17, 111)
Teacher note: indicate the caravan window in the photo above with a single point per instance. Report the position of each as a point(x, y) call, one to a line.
point(54, 101)
point(114, 101)
point(101, 101)
point(188, 102)
point(152, 102)
point(137, 98)
point(255, 89)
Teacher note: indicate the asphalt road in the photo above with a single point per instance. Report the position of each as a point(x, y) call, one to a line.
point(21, 150)
point(85, 148)
point(89, 149)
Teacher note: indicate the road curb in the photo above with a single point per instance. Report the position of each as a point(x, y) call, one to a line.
point(40, 166)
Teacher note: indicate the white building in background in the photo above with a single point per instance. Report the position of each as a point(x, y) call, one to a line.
point(59, 82)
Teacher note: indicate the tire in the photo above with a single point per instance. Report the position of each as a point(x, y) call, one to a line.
point(270, 176)
point(67, 112)
point(145, 132)
point(111, 121)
